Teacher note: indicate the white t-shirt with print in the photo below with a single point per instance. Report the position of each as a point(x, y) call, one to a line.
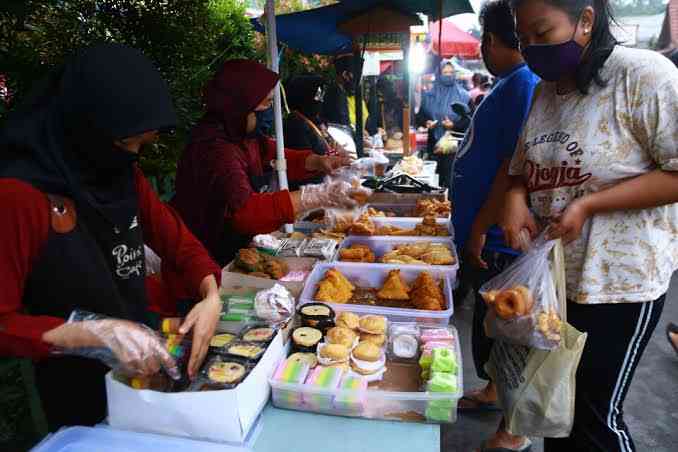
point(575, 144)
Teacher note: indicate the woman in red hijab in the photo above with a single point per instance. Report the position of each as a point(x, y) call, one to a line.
point(225, 172)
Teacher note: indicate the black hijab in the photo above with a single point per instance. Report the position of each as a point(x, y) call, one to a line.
point(61, 140)
point(301, 94)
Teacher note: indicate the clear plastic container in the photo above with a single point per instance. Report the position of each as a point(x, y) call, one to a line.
point(380, 245)
point(410, 223)
point(373, 276)
point(370, 403)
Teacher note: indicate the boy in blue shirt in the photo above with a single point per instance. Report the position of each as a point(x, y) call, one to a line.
point(480, 179)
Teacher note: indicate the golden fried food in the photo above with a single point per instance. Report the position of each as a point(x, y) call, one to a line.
point(427, 294)
point(434, 207)
point(357, 253)
point(276, 268)
point(394, 287)
point(424, 253)
point(334, 288)
point(363, 226)
point(430, 227)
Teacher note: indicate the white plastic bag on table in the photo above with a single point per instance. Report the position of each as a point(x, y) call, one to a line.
point(524, 307)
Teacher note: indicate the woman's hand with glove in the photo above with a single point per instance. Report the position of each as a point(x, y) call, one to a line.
point(135, 349)
point(333, 193)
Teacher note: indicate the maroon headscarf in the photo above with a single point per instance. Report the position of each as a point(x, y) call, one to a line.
point(233, 93)
point(216, 169)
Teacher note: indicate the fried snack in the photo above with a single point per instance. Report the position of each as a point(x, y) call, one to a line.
point(394, 287)
point(334, 288)
point(424, 253)
point(430, 227)
point(427, 294)
point(277, 269)
point(348, 320)
point(249, 260)
point(357, 253)
point(363, 226)
point(432, 207)
point(549, 324)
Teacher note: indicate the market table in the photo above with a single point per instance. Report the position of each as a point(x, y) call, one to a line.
point(307, 432)
point(277, 430)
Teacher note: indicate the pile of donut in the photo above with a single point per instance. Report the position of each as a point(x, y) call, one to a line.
point(510, 303)
point(518, 301)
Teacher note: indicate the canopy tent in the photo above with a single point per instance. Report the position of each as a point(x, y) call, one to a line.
point(318, 30)
point(455, 41)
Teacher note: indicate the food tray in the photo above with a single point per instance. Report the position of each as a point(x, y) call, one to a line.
point(401, 211)
point(409, 223)
point(375, 404)
point(373, 275)
point(381, 245)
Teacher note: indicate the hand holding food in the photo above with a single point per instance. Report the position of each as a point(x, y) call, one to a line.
point(136, 349)
point(333, 193)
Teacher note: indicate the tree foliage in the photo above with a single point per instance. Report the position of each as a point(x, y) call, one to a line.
point(187, 40)
point(638, 7)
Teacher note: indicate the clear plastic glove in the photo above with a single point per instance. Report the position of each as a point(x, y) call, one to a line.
point(334, 193)
point(127, 347)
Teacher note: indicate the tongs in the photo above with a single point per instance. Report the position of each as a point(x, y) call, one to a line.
point(401, 183)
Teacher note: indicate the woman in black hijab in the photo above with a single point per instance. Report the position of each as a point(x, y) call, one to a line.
point(303, 126)
point(76, 214)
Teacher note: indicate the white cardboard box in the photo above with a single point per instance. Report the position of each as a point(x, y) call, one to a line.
point(222, 416)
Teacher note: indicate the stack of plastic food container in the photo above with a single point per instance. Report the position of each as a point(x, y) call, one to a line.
point(432, 402)
point(373, 276)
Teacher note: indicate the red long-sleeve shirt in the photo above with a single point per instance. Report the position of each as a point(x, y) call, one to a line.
point(215, 194)
point(25, 228)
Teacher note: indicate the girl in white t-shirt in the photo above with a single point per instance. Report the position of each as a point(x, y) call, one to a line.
point(598, 162)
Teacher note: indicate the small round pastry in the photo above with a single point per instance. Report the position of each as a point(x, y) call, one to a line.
point(334, 353)
point(308, 358)
point(348, 320)
point(366, 372)
point(226, 372)
point(527, 296)
point(490, 296)
point(377, 339)
point(367, 351)
point(373, 324)
point(343, 366)
point(510, 304)
point(341, 335)
point(306, 338)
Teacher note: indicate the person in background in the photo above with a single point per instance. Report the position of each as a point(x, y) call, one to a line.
point(224, 176)
point(303, 127)
point(479, 181)
point(339, 106)
point(76, 213)
point(597, 162)
point(388, 112)
point(480, 88)
point(437, 114)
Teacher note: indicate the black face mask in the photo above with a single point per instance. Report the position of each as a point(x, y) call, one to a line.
point(264, 123)
point(312, 109)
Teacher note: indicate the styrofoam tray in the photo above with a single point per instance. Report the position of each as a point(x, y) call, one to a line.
point(381, 245)
point(374, 275)
point(369, 403)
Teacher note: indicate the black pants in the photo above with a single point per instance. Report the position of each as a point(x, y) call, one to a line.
point(617, 337)
point(481, 344)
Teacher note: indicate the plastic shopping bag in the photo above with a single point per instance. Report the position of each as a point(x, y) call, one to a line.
point(536, 388)
point(524, 305)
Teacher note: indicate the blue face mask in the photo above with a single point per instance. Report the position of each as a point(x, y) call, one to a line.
point(447, 80)
point(264, 122)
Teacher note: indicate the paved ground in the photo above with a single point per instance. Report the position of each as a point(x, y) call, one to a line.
point(651, 408)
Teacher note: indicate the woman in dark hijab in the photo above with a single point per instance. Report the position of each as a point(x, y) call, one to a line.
point(76, 214)
point(225, 174)
point(303, 126)
point(436, 112)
